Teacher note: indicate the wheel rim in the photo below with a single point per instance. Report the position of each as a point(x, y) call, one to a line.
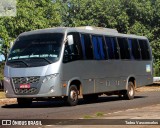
point(131, 91)
point(73, 95)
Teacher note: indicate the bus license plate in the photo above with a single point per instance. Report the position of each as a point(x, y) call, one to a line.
point(25, 85)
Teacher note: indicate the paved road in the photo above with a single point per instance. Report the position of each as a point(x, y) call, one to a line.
point(58, 110)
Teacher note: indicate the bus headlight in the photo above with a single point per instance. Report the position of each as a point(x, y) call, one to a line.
point(50, 77)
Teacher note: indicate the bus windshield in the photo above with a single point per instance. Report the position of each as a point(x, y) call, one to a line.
point(36, 50)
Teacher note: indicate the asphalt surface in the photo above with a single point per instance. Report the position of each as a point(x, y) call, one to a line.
point(113, 112)
point(59, 110)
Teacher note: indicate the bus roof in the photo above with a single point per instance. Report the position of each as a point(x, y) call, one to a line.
point(85, 29)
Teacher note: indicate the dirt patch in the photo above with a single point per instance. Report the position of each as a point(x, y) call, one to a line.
point(149, 88)
point(6, 101)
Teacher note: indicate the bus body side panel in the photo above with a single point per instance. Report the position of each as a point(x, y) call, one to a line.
point(82, 70)
point(110, 75)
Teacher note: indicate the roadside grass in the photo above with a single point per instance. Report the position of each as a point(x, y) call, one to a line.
point(87, 117)
point(99, 114)
point(2, 95)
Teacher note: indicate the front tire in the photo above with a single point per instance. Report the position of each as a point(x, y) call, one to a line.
point(72, 98)
point(130, 92)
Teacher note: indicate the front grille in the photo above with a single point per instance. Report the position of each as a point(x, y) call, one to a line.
point(33, 81)
point(26, 80)
point(26, 91)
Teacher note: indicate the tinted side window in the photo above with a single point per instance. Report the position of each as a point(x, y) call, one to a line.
point(77, 43)
point(86, 46)
point(134, 49)
point(145, 50)
point(98, 47)
point(112, 48)
point(124, 49)
point(73, 51)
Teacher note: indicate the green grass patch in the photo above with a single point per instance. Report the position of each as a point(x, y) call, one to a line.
point(87, 117)
point(99, 114)
point(2, 95)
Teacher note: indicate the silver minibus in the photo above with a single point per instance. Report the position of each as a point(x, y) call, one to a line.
point(69, 63)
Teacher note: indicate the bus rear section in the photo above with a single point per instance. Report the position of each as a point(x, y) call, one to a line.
point(111, 64)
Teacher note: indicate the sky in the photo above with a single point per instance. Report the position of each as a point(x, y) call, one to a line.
point(1, 57)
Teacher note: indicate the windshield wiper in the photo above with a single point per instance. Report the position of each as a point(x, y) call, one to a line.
point(47, 60)
point(50, 62)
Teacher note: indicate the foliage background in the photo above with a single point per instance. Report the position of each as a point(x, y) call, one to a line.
point(141, 17)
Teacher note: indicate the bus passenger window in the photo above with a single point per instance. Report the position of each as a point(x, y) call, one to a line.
point(130, 48)
point(86, 46)
point(112, 48)
point(145, 51)
point(124, 49)
point(134, 49)
point(102, 47)
point(98, 48)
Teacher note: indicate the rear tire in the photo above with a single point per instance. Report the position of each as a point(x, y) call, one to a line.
point(130, 92)
point(72, 98)
point(24, 102)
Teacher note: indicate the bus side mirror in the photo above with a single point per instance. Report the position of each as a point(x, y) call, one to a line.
point(70, 39)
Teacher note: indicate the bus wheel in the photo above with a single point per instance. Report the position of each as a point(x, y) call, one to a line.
point(130, 92)
point(24, 102)
point(72, 98)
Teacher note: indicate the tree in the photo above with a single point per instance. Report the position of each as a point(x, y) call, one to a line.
point(31, 15)
point(139, 17)
point(100, 13)
point(4, 39)
point(156, 30)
